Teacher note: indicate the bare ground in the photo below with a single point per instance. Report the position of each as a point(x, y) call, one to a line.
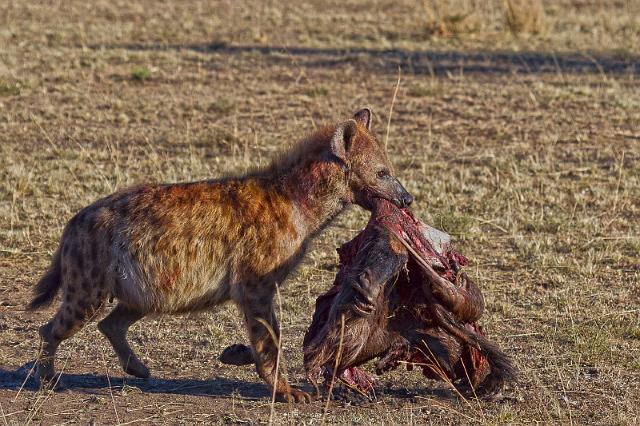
point(524, 147)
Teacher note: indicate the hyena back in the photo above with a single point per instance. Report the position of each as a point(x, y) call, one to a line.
point(189, 247)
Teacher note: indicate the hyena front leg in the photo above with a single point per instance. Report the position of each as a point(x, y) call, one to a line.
point(115, 327)
point(264, 333)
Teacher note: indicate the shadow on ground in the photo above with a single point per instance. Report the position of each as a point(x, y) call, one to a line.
point(420, 61)
point(216, 386)
point(23, 379)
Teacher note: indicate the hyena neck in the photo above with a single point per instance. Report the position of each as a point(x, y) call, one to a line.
point(318, 190)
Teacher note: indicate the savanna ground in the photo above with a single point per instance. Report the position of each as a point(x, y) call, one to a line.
point(520, 137)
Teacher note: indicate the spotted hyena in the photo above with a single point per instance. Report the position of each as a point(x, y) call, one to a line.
point(175, 248)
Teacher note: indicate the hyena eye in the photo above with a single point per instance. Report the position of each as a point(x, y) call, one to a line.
point(383, 173)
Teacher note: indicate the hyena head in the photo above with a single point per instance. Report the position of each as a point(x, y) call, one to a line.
point(370, 173)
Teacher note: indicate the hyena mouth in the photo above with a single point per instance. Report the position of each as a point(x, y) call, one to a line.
point(375, 201)
point(371, 200)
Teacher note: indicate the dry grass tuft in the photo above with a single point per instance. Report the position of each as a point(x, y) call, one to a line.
point(447, 19)
point(141, 74)
point(8, 88)
point(524, 16)
point(457, 18)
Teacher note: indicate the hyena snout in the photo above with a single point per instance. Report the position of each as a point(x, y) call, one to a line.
point(388, 188)
point(394, 192)
point(402, 198)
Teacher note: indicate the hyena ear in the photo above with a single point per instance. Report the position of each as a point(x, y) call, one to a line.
point(342, 138)
point(365, 117)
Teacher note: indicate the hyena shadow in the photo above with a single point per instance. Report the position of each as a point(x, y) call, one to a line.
point(23, 378)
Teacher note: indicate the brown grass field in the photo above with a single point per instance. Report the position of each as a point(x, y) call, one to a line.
point(518, 132)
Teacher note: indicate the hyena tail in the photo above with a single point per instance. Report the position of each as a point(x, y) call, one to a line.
point(48, 285)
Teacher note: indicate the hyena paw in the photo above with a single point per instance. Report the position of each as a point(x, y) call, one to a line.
point(237, 354)
point(136, 368)
point(49, 381)
point(293, 395)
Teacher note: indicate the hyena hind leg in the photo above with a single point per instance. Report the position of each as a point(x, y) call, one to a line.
point(70, 318)
point(115, 327)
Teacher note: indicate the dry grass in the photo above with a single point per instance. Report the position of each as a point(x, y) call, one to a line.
point(451, 18)
point(524, 16)
point(556, 25)
point(526, 149)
